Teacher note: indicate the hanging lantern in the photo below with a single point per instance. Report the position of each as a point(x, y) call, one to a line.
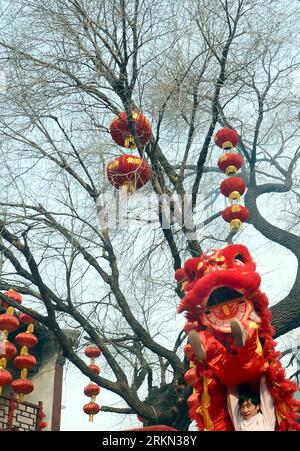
point(235, 215)
point(92, 352)
point(8, 322)
point(92, 408)
point(92, 390)
point(5, 378)
point(7, 350)
point(26, 319)
point(22, 387)
point(233, 188)
point(230, 163)
point(128, 173)
point(94, 368)
point(120, 133)
point(11, 293)
point(25, 361)
point(26, 339)
point(41, 423)
point(226, 138)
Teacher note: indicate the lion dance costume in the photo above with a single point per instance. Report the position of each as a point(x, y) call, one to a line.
point(219, 287)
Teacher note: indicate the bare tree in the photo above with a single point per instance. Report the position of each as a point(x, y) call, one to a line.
point(192, 67)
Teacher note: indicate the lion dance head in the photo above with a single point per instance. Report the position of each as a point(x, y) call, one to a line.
point(219, 287)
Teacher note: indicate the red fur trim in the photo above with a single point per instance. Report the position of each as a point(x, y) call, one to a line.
point(231, 278)
point(233, 250)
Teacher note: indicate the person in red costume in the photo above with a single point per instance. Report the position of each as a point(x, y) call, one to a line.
point(230, 338)
point(243, 364)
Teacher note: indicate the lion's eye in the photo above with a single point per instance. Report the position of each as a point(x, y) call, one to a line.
point(238, 262)
point(239, 257)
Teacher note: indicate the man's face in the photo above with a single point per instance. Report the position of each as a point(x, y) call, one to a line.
point(248, 409)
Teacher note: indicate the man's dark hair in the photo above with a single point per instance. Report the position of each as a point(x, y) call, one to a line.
point(249, 396)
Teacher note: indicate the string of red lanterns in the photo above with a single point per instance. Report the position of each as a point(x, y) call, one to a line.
point(9, 323)
point(233, 187)
point(92, 389)
point(25, 361)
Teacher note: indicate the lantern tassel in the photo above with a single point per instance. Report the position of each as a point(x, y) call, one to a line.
point(129, 142)
point(30, 328)
point(3, 362)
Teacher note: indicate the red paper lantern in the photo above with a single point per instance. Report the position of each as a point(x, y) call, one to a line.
point(22, 386)
point(129, 172)
point(7, 350)
point(11, 293)
point(94, 368)
point(5, 378)
point(92, 390)
point(92, 408)
point(226, 138)
point(92, 351)
point(120, 133)
point(26, 319)
point(235, 215)
point(230, 163)
point(25, 361)
point(43, 424)
point(8, 322)
point(26, 339)
point(233, 187)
